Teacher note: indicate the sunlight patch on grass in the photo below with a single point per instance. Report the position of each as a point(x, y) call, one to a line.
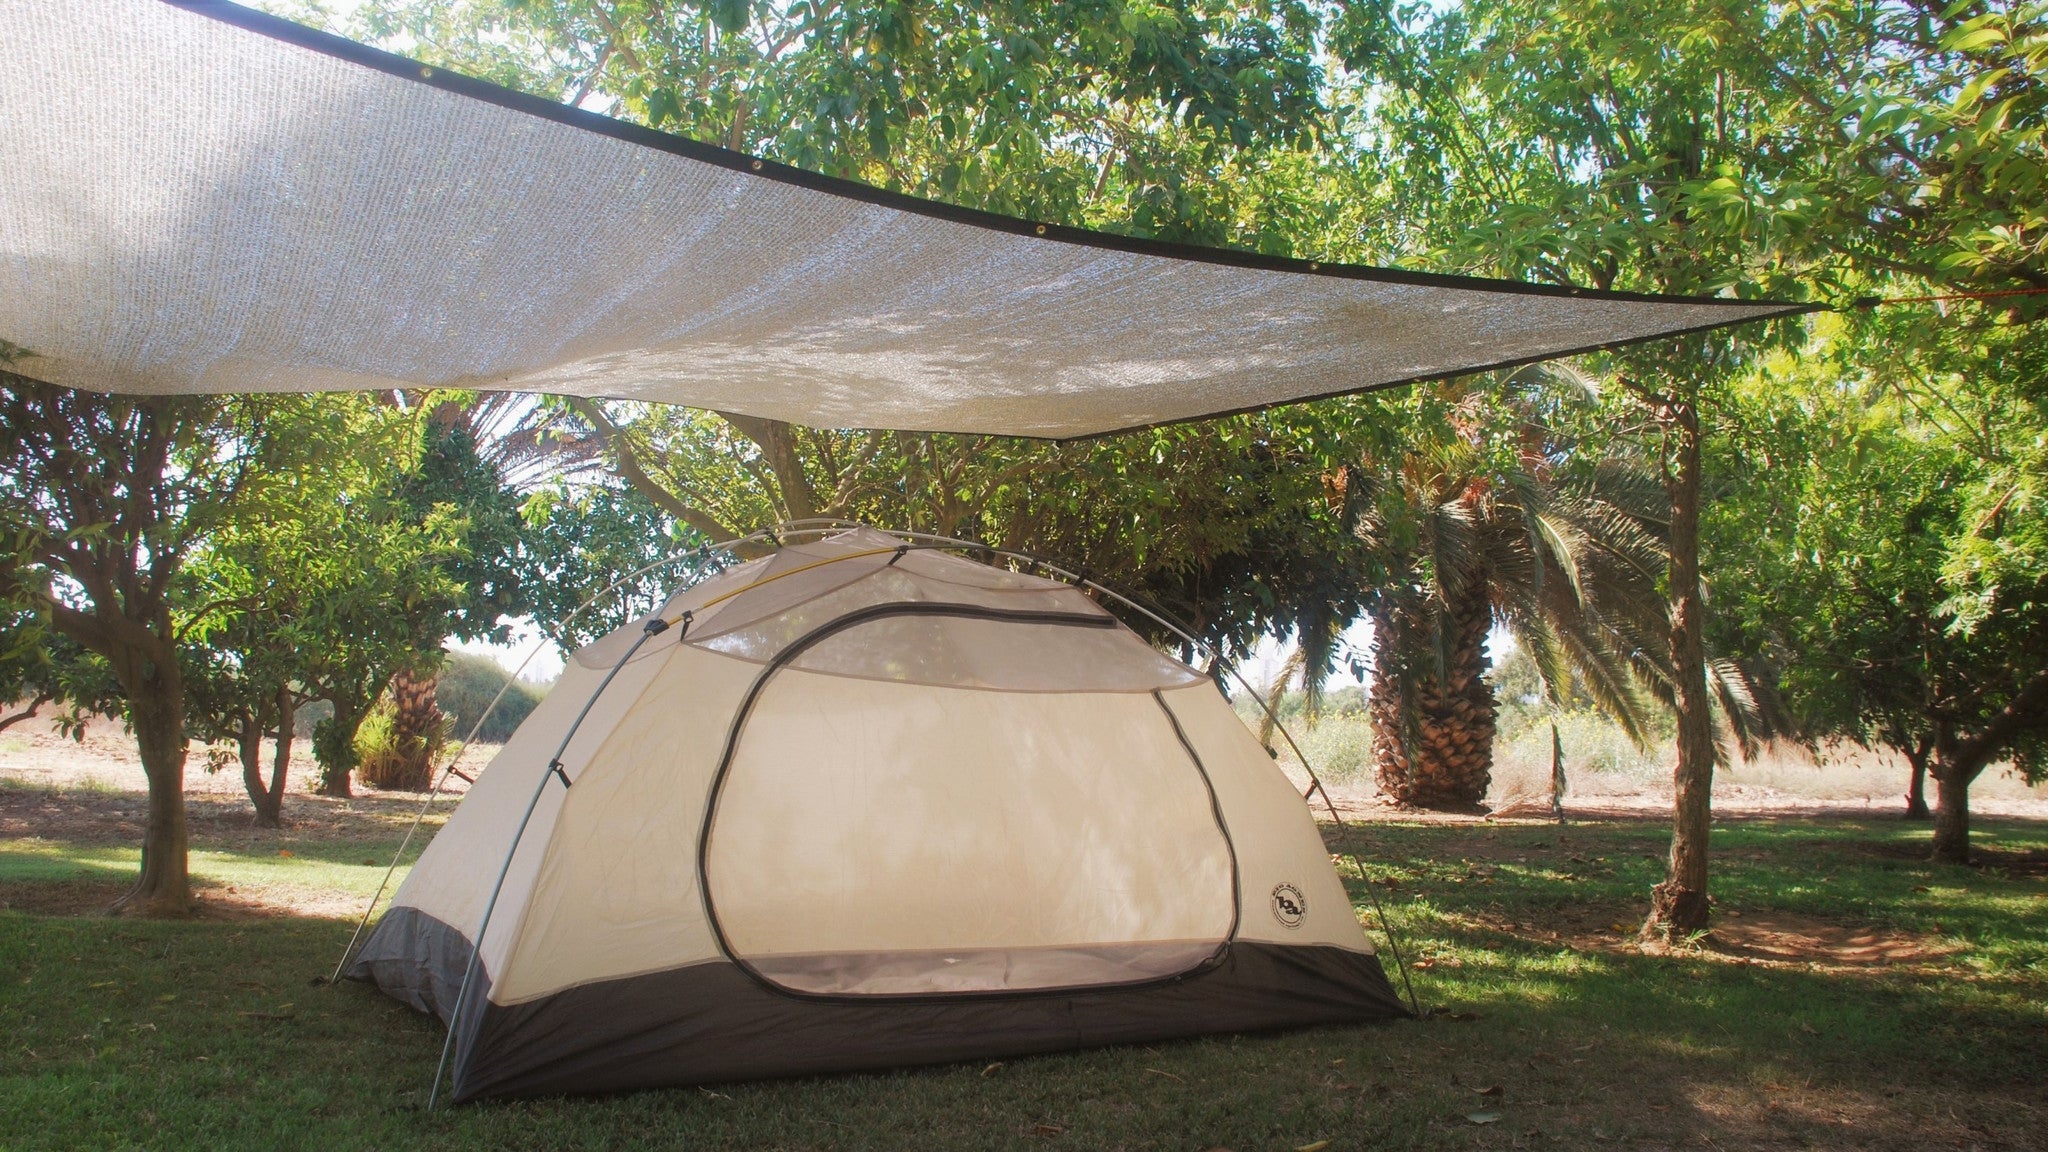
point(325, 869)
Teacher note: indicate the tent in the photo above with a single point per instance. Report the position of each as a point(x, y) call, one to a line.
point(857, 804)
point(199, 197)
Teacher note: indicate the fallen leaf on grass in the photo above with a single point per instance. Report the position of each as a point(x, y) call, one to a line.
point(1489, 1090)
point(284, 852)
point(103, 984)
point(991, 1069)
point(1047, 1130)
point(1318, 1146)
point(1483, 1117)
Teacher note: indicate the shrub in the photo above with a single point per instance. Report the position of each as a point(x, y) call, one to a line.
point(383, 757)
point(469, 681)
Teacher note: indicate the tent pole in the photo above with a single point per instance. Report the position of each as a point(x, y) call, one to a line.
point(655, 626)
point(700, 555)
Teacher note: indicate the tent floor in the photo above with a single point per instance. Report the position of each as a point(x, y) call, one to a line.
point(713, 1021)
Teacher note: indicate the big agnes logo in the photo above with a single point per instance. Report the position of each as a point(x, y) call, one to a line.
point(1290, 907)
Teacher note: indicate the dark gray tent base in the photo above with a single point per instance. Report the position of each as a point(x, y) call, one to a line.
point(711, 1022)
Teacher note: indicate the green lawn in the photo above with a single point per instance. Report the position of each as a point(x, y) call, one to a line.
point(215, 1034)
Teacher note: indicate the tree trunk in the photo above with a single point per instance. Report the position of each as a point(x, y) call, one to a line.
point(1951, 815)
point(249, 746)
point(268, 799)
point(287, 721)
point(1433, 725)
point(334, 746)
point(1556, 773)
point(1916, 790)
point(416, 730)
point(1679, 905)
point(156, 710)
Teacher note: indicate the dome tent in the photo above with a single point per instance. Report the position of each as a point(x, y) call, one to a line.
point(863, 804)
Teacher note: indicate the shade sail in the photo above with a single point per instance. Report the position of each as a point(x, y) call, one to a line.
point(196, 197)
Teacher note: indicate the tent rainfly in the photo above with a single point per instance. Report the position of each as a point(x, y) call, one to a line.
point(198, 197)
point(866, 805)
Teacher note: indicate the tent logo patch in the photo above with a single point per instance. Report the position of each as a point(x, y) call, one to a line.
point(1289, 906)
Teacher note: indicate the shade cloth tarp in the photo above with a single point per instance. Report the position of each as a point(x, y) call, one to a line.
point(195, 197)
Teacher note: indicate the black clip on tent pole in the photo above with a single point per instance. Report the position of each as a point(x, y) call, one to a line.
point(655, 626)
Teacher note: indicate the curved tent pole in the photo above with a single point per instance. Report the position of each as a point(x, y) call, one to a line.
point(655, 626)
point(701, 554)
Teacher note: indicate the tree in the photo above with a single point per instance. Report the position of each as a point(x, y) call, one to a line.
point(240, 673)
point(452, 472)
point(1892, 563)
point(103, 499)
point(1478, 528)
point(1597, 144)
point(329, 577)
point(582, 539)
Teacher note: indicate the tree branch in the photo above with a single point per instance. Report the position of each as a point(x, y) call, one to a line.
point(42, 698)
point(2027, 709)
point(628, 466)
point(777, 441)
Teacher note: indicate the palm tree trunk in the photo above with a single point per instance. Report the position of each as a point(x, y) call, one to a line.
point(1433, 726)
point(416, 724)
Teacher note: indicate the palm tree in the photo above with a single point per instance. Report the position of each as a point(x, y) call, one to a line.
point(1479, 529)
point(1571, 573)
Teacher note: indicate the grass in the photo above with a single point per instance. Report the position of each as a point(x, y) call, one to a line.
point(213, 1034)
point(330, 870)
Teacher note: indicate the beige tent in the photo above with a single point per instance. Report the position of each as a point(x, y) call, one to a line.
point(864, 804)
